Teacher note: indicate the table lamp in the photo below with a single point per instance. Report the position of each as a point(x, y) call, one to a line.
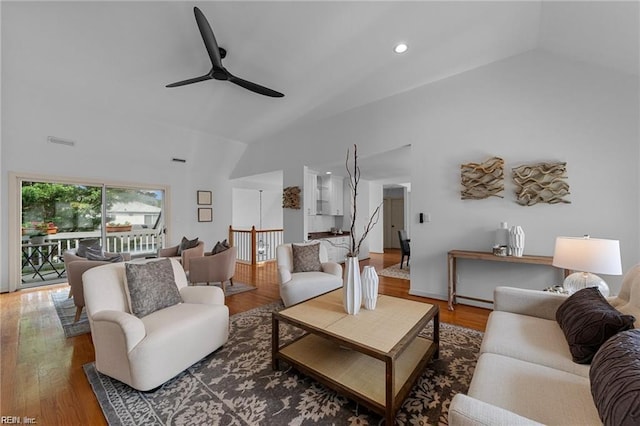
point(587, 256)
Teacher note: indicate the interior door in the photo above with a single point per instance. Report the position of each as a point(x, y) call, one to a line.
point(393, 221)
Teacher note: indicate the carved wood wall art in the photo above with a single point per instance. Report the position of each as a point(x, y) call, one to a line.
point(291, 197)
point(541, 183)
point(482, 180)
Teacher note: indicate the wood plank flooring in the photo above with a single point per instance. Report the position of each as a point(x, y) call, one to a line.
point(41, 371)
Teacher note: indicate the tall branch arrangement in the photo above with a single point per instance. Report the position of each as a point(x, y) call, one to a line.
point(354, 179)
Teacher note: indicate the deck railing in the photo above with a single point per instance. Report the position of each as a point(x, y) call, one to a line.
point(255, 245)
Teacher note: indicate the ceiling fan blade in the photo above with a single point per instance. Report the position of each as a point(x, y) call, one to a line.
point(208, 38)
point(190, 81)
point(254, 87)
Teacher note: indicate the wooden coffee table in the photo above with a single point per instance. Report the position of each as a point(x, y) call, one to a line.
point(374, 357)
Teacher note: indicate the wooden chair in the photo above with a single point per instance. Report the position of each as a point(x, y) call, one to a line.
point(404, 246)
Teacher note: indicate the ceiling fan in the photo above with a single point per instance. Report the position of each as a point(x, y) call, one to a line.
point(218, 72)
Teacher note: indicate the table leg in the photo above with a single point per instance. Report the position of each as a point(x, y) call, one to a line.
point(436, 334)
point(451, 279)
point(389, 397)
point(275, 342)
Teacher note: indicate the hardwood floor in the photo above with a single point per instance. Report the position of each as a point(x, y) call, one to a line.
point(41, 371)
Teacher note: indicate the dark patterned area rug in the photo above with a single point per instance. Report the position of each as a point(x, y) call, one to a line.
point(236, 385)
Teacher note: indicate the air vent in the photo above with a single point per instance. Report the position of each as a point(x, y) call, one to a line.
point(60, 141)
point(179, 160)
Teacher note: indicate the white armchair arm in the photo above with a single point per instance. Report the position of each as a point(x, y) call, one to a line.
point(541, 304)
point(284, 274)
point(112, 326)
point(204, 295)
point(467, 411)
point(332, 268)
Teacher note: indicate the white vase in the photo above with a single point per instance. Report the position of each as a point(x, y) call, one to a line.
point(352, 288)
point(516, 241)
point(369, 280)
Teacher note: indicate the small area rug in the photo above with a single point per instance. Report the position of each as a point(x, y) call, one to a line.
point(394, 271)
point(67, 310)
point(237, 386)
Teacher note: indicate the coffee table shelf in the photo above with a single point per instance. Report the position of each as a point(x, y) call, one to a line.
point(374, 357)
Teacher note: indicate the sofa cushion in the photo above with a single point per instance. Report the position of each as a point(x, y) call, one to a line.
point(532, 339)
point(537, 392)
point(186, 244)
point(615, 379)
point(151, 287)
point(306, 257)
point(588, 320)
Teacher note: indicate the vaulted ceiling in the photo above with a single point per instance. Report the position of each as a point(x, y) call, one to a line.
point(326, 57)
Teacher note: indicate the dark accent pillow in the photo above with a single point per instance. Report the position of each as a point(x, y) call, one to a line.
point(186, 244)
point(220, 247)
point(151, 287)
point(306, 258)
point(93, 254)
point(83, 245)
point(587, 321)
point(615, 379)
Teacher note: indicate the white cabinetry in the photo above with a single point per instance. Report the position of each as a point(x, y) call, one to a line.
point(311, 193)
point(331, 192)
point(337, 248)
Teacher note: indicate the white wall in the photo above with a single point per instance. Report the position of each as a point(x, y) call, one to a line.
point(529, 108)
point(116, 149)
point(246, 208)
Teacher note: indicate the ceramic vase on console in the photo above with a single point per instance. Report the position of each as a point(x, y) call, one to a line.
point(369, 280)
point(516, 241)
point(351, 287)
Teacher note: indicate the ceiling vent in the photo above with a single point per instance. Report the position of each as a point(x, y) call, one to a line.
point(179, 160)
point(60, 141)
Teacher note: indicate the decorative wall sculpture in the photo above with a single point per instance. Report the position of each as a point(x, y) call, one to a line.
point(541, 183)
point(291, 197)
point(482, 180)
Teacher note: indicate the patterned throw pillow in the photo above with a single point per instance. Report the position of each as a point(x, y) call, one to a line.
point(587, 321)
point(186, 244)
point(615, 379)
point(151, 287)
point(306, 258)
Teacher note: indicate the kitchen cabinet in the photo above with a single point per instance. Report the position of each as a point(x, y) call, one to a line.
point(331, 192)
point(311, 193)
point(337, 248)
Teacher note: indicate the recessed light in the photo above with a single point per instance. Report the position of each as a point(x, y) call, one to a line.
point(328, 173)
point(400, 48)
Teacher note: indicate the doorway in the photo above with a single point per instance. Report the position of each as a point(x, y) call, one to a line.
point(394, 215)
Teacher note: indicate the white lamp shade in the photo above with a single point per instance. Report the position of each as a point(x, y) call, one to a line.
point(585, 254)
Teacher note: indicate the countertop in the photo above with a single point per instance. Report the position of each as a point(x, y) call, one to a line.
point(322, 235)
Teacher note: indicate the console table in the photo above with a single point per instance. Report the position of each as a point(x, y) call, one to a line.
point(454, 255)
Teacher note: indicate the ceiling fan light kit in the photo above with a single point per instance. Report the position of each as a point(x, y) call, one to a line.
point(218, 72)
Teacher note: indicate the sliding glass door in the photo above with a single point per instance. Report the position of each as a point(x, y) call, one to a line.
point(56, 216)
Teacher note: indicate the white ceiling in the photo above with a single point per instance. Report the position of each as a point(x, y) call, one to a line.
point(326, 57)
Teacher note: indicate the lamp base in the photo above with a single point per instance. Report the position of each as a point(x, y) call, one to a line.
point(579, 280)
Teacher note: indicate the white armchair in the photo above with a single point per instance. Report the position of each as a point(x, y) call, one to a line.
point(296, 287)
point(146, 352)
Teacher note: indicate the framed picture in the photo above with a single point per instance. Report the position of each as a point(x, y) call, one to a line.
point(205, 214)
point(204, 198)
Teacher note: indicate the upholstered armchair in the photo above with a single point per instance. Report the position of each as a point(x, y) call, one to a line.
point(74, 274)
point(144, 352)
point(214, 268)
point(185, 256)
point(296, 287)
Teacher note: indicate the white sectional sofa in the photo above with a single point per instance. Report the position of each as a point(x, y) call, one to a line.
point(525, 374)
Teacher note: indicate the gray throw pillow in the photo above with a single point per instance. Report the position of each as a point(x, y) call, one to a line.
point(151, 287)
point(186, 244)
point(306, 258)
point(87, 243)
point(93, 254)
point(220, 247)
point(615, 379)
point(587, 321)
